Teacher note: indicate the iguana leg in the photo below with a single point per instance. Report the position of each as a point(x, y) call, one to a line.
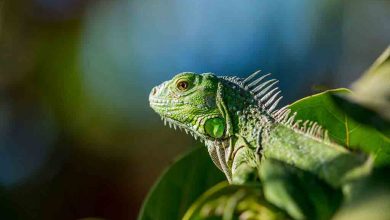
point(244, 166)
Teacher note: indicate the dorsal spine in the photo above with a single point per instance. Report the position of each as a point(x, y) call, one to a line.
point(267, 95)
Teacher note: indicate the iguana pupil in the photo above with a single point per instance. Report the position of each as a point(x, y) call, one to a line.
point(182, 85)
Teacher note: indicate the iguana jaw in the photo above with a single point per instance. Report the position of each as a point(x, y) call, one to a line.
point(188, 102)
point(196, 126)
point(168, 108)
point(184, 127)
point(164, 106)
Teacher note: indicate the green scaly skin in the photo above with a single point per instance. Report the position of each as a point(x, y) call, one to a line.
point(240, 132)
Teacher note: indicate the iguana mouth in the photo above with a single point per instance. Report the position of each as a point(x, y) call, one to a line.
point(176, 124)
point(165, 102)
point(165, 107)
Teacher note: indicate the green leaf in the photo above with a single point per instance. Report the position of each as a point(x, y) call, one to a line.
point(361, 113)
point(342, 128)
point(369, 103)
point(369, 198)
point(180, 185)
point(302, 194)
point(227, 202)
point(372, 90)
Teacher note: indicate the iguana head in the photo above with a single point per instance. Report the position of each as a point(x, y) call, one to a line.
point(190, 101)
point(216, 108)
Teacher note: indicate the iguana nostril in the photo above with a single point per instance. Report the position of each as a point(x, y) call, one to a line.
point(154, 91)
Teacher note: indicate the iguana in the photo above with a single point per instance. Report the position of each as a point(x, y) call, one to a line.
point(239, 122)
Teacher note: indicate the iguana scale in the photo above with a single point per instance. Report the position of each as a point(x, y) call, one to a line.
point(240, 124)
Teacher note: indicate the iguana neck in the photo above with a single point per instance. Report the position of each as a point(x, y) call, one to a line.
point(249, 122)
point(247, 119)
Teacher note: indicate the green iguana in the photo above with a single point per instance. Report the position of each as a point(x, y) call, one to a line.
point(240, 124)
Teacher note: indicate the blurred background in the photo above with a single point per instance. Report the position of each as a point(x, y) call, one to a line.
point(77, 136)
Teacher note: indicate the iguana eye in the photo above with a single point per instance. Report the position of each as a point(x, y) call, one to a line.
point(182, 85)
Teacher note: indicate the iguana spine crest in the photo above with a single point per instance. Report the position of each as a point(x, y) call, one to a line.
point(267, 95)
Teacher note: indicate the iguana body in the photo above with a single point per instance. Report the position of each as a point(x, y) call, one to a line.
point(237, 120)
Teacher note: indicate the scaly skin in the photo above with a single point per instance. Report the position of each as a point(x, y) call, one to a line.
point(235, 119)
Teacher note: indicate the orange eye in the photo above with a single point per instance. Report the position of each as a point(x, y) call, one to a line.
point(182, 85)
